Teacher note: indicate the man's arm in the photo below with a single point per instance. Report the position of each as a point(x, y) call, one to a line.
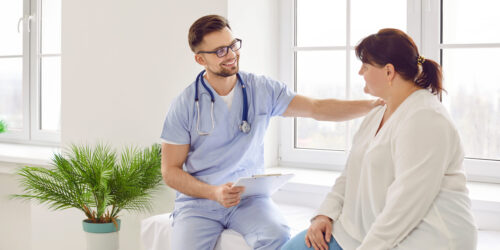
point(172, 159)
point(329, 109)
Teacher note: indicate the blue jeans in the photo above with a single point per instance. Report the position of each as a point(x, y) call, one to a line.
point(298, 243)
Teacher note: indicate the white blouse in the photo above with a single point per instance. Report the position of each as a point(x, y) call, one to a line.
point(404, 187)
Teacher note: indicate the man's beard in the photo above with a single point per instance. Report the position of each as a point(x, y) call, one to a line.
point(224, 72)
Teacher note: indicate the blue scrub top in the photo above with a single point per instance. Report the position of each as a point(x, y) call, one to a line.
point(227, 153)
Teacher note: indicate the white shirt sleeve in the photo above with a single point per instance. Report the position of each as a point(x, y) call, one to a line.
point(332, 205)
point(422, 148)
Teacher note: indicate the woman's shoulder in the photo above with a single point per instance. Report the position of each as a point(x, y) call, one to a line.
point(371, 119)
point(427, 110)
point(373, 114)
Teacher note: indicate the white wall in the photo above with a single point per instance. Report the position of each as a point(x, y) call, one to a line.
point(123, 62)
point(257, 24)
point(15, 215)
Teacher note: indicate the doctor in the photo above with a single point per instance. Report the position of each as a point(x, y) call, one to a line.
point(213, 134)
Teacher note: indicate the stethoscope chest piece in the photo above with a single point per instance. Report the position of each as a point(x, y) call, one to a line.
point(245, 127)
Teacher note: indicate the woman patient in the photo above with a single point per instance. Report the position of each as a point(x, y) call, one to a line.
point(404, 183)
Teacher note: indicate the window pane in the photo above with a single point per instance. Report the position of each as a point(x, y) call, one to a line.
point(473, 99)
point(369, 16)
point(51, 26)
point(11, 92)
point(321, 74)
point(50, 89)
point(466, 21)
point(11, 42)
point(321, 23)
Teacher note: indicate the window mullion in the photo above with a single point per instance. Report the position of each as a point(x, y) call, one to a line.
point(431, 30)
point(26, 69)
point(34, 69)
point(287, 75)
point(415, 21)
point(348, 70)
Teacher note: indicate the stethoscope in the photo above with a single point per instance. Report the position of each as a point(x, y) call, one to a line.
point(244, 126)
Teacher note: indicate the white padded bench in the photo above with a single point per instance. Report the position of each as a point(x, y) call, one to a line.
point(155, 231)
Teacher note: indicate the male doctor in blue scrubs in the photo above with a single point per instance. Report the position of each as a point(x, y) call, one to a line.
point(210, 143)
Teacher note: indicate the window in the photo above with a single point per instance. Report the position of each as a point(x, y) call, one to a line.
point(323, 65)
point(470, 48)
point(30, 70)
point(318, 56)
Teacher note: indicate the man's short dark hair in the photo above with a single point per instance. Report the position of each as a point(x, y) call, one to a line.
point(203, 26)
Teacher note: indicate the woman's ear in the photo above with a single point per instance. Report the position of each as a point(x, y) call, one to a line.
point(390, 71)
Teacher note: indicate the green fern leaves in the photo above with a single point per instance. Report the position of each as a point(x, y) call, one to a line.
point(94, 181)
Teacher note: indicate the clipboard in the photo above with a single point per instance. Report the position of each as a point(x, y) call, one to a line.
point(262, 184)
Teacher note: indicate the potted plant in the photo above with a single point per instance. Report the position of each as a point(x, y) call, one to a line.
point(3, 126)
point(99, 184)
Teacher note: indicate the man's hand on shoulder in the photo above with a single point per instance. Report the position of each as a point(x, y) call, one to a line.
point(377, 102)
point(227, 195)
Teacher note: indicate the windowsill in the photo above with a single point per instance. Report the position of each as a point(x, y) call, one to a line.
point(14, 155)
point(484, 196)
point(309, 180)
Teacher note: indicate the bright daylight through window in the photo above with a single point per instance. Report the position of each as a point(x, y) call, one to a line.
point(30, 70)
point(324, 65)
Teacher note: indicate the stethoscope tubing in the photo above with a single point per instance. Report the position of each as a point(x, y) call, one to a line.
point(244, 127)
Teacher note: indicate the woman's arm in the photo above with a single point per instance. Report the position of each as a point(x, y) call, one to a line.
point(334, 200)
point(319, 233)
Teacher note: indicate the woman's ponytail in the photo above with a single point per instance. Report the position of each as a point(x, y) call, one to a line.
point(430, 77)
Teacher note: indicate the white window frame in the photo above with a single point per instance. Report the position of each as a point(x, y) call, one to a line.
point(32, 132)
point(426, 35)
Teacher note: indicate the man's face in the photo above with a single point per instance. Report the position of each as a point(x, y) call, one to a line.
point(225, 66)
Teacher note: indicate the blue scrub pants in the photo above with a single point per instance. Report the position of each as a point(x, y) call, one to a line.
point(298, 243)
point(258, 219)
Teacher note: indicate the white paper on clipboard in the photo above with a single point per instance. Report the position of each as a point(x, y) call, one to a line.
point(262, 184)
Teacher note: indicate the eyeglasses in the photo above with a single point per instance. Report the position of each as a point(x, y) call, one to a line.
point(222, 52)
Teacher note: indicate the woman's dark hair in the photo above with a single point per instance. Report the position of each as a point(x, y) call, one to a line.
point(205, 25)
point(397, 48)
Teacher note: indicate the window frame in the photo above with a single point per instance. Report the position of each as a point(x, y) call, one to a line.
point(426, 35)
point(31, 81)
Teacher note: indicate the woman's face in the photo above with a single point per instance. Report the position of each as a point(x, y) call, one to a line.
point(376, 83)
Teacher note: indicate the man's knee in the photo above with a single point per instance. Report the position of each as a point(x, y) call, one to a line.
point(193, 241)
point(195, 233)
point(269, 237)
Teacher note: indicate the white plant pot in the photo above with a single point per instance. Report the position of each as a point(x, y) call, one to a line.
point(102, 236)
point(103, 241)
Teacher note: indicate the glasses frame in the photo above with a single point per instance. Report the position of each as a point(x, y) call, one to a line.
point(222, 51)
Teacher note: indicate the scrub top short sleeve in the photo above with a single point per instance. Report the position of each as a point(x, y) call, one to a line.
point(281, 96)
point(175, 127)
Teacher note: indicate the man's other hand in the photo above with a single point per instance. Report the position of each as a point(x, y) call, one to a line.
point(227, 195)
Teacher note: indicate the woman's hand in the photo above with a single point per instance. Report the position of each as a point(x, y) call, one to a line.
point(319, 233)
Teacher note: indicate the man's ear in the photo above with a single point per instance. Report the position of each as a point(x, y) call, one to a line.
point(390, 71)
point(200, 59)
